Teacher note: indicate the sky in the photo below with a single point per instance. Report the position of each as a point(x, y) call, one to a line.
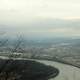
point(45, 18)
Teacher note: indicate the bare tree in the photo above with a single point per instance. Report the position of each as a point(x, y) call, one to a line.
point(17, 45)
point(3, 43)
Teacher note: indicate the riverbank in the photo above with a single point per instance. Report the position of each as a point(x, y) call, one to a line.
point(60, 61)
point(54, 59)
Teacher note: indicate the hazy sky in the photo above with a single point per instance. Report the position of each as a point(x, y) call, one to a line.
point(40, 17)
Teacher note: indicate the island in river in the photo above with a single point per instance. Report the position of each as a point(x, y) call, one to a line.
point(26, 70)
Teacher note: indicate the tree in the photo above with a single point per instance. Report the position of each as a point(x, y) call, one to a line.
point(18, 47)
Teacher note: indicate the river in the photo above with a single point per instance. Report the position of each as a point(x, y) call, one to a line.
point(67, 72)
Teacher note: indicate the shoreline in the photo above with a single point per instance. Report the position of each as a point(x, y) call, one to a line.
point(56, 60)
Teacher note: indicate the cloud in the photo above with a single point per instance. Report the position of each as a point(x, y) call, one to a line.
point(22, 11)
point(40, 17)
point(45, 27)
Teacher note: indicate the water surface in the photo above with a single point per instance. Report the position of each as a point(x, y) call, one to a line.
point(67, 72)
